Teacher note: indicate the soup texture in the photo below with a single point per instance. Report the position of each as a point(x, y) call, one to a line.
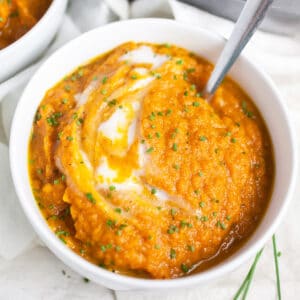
point(19, 16)
point(136, 172)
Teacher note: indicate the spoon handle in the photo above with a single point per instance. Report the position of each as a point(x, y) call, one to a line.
point(248, 21)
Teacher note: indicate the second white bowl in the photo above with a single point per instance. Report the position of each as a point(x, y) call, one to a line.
point(26, 49)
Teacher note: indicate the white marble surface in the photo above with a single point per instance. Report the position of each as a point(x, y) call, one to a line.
point(28, 270)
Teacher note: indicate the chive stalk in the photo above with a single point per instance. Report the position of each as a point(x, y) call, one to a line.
point(275, 252)
point(246, 283)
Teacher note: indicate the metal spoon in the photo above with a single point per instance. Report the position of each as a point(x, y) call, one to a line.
point(247, 23)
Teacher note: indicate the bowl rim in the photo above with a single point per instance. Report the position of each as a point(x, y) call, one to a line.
point(84, 267)
point(46, 17)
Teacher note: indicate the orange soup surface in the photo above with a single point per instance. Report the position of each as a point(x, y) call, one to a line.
point(137, 173)
point(19, 16)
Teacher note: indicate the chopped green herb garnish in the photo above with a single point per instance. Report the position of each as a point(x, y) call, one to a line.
point(118, 210)
point(168, 112)
point(122, 226)
point(152, 116)
point(69, 138)
point(52, 217)
point(104, 79)
point(179, 62)
point(186, 109)
point(191, 248)
point(134, 76)
point(156, 75)
point(110, 223)
point(62, 232)
point(202, 204)
point(157, 134)
point(172, 229)
point(67, 88)
point(185, 224)
point(149, 150)
point(185, 77)
point(79, 121)
point(184, 268)
point(248, 113)
point(112, 188)
point(90, 198)
point(221, 225)
point(233, 140)
point(173, 212)
point(196, 104)
point(52, 120)
point(112, 102)
point(39, 171)
point(63, 240)
point(172, 253)
point(186, 93)
point(175, 147)
point(203, 138)
point(176, 167)
point(191, 70)
point(153, 191)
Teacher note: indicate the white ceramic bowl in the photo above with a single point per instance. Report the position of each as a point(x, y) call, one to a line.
point(26, 49)
point(202, 42)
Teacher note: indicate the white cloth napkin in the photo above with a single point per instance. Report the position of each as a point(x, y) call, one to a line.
point(30, 271)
